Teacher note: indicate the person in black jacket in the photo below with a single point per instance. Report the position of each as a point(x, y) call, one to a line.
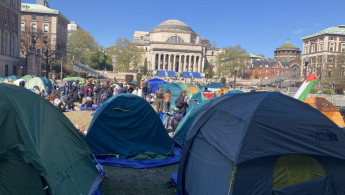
point(181, 104)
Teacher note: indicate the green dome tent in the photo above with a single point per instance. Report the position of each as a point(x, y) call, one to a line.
point(186, 88)
point(27, 77)
point(41, 152)
point(39, 82)
point(193, 88)
point(74, 79)
point(128, 126)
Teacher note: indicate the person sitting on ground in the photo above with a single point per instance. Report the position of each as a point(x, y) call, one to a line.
point(88, 103)
point(175, 121)
point(69, 103)
point(59, 104)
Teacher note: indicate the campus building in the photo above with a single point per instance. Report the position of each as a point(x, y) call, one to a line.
point(174, 46)
point(9, 37)
point(326, 53)
point(43, 32)
point(286, 63)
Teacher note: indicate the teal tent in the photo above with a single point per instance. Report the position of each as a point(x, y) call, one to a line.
point(41, 152)
point(196, 99)
point(126, 125)
point(175, 91)
point(12, 78)
point(187, 121)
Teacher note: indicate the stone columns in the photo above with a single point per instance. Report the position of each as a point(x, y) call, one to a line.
point(169, 63)
point(159, 62)
point(180, 69)
point(174, 63)
point(199, 65)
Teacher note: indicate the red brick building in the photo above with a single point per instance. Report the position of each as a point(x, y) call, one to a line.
point(263, 69)
point(45, 24)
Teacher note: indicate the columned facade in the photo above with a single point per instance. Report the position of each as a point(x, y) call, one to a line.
point(177, 62)
point(173, 46)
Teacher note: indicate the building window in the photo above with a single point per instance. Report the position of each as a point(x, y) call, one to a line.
point(331, 46)
point(13, 45)
point(33, 27)
point(306, 50)
point(7, 2)
point(5, 43)
point(175, 39)
point(22, 26)
point(45, 28)
point(320, 46)
point(266, 72)
point(330, 58)
point(343, 47)
point(6, 70)
point(313, 48)
point(15, 4)
point(332, 38)
point(45, 17)
point(14, 70)
point(273, 71)
point(14, 23)
point(34, 16)
point(6, 18)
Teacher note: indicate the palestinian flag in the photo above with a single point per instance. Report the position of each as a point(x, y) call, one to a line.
point(305, 88)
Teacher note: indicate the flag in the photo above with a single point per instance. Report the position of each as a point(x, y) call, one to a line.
point(305, 88)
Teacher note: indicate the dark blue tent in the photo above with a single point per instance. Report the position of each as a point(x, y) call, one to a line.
point(262, 143)
point(186, 74)
point(127, 125)
point(155, 84)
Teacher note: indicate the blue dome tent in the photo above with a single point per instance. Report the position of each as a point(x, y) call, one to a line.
point(248, 144)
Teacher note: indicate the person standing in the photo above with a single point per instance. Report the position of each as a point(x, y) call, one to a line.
point(167, 99)
point(159, 96)
point(144, 90)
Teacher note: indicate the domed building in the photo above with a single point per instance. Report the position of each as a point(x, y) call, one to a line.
point(287, 52)
point(174, 46)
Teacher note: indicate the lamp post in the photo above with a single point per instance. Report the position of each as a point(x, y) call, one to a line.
point(45, 41)
point(306, 60)
point(236, 69)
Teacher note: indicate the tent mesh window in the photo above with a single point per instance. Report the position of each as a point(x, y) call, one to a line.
point(293, 169)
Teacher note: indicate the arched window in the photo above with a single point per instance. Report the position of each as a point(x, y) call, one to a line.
point(175, 39)
point(5, 43)
point(13, 45)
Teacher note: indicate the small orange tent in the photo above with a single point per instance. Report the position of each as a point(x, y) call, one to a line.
point(327, 108)
point(223, 91)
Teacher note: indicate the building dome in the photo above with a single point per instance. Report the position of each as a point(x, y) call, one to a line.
point(172, 25)
point(287, 45)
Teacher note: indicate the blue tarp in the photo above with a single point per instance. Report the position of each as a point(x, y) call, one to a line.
point(161, 73)
point(234, 92)
point(155, 84)
point(171, 73)
point(140, 164)
point(196, 74)
point(186, 74)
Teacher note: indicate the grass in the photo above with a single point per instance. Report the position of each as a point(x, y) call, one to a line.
point(127, 180)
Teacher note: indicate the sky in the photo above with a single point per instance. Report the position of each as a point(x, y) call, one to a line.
point(259, 26)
